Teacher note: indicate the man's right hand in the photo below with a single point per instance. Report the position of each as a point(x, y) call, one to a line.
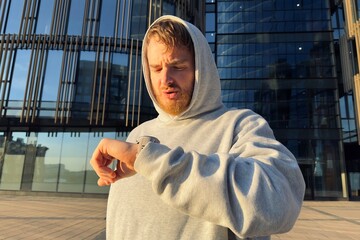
point(110, 150)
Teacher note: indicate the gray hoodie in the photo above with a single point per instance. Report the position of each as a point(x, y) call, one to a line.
point(215, 169)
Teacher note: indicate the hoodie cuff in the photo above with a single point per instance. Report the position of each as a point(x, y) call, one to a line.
point(149, 160)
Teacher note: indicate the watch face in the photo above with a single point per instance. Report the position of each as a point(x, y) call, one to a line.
point(142, 141)
point(147, 139)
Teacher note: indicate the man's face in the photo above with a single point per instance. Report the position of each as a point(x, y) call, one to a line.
point(172, 74)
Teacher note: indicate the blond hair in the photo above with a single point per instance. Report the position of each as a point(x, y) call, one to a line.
point(171, 33)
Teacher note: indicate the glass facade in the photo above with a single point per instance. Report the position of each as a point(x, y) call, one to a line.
point(70, 74)
point(347, 16)
point(50, 162)
point(278, 58)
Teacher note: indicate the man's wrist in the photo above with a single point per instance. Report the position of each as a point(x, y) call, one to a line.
point(143, 141)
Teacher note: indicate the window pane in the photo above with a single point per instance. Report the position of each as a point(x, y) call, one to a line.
point(83, 92)
point(13, 162)
point(210, 22)
point(73, 162)
point(76, 16)
point(14, 17)
point(168, 8)
point(139, 18)
point(124, 19)
point(118, 86)
point(327, 169)
point(51, 84)
point(351, 106)
point(47, 162)
point(44, 17)
point(52, 75)
point(18, 83)
point(107, 18)
point(20, 75)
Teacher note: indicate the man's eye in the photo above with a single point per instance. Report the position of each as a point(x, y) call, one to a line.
point(156, 69)
point(179, 68)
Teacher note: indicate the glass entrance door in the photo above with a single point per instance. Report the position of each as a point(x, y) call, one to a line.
point(308, 174)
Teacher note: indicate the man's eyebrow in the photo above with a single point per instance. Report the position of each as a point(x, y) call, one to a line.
point(177, 61)
point(172, 62)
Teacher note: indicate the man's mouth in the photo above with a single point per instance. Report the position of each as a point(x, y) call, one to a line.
point(171, 94)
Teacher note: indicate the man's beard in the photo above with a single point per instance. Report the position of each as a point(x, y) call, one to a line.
point(175, 107)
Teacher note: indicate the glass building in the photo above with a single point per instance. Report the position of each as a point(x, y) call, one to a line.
point(349, 45)
point(281, 59)
point(70, 74)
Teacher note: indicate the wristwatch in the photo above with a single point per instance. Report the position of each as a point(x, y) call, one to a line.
point(142, 141)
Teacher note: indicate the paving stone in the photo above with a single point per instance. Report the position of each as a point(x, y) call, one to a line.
point(38, 217)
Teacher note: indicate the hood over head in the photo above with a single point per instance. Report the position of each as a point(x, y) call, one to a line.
point(207, 89)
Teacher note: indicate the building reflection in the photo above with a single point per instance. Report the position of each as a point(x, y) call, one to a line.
point(44, 162)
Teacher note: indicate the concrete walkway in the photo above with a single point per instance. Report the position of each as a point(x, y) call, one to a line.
point(36, 217)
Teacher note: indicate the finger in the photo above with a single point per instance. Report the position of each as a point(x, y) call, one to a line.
point(102, 182)
point(105, 171)
point(108, 176)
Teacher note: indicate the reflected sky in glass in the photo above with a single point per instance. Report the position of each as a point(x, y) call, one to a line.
point(107, 18)
point(44, 17)
point(21, 67)
point(76, 16)
point(52, 75)
point(14, 17)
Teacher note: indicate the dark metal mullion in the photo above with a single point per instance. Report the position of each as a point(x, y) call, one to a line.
point(85, 20)
point(94, 84)
point(69, 86)
point(5, 55)
point(53, 20)
point(127, 26)
point(117, 16)
point(25, 29)
point(160, 7)
point(2, 14)
point(150, 15)
point(91, 17)
point(73, 77)
point(3, 68)
point(3, 42)
point(64, 38)
point(106, 81)
point(129, 83)
point(122, 23)
point(100, 81)
point(39, 79)
point(97, 19)
point(32, 18)
point(140, 93)
point(58, 18)
point(63, 17)
point(155, 9)
point(135, 83)
point(32, 81)
point(11, 72)
point(27, 82)
point(67, 77)
point(22, 22)
point(59, 98)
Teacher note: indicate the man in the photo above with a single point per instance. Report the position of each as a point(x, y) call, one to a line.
point(199, 169)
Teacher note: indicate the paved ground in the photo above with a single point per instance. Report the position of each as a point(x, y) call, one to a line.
point(36, 217)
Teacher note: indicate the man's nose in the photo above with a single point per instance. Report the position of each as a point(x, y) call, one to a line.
point(166, 76)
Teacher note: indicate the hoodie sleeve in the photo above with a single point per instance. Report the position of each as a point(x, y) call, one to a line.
point(255, 189)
